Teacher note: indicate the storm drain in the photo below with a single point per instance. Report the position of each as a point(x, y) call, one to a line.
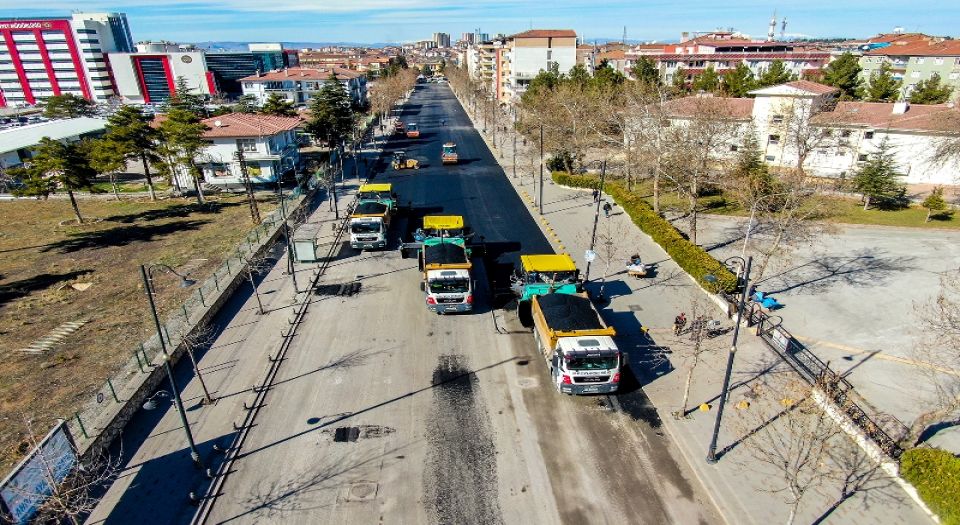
point(346, 434)
point(344, 289)
point(352, 434)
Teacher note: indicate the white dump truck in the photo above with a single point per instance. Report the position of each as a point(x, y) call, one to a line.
point(576, 344)
point(369, 224)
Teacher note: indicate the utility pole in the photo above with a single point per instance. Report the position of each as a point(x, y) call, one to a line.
point(596, 217)
point(291, 269)
point(254, 210)
point(541, 174)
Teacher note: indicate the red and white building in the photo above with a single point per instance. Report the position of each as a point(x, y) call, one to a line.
point(149, 75)
point(43, 57)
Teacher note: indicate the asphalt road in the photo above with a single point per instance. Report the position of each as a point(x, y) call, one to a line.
point(387, 413)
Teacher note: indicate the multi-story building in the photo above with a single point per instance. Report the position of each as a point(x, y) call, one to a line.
point(150, 75)
point(268, 145)
point(316, 59)
point(441, 39)
point(43, 57)
point(724, 50)
point(803, 122)
point(467, 38)
point(228, 67)
point(299, 85)
point(916, 59)
point(526, 54)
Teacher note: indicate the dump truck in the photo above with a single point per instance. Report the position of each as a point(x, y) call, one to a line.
point(378, 192)
point(446, 280)
point(541, 275)
point(576, 344)
point(412, 130)
point(442, 226)
point(369, 224)
point(449, 154)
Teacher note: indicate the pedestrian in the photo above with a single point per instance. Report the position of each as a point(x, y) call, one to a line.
point(596, 195)
point(679, 322)
point(606, 208)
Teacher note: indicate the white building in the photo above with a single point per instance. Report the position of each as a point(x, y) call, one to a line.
point(299, 85)
point(268, 143)
point(149, 76)
point(527, 54)
point(17, 144)
point(805, 119)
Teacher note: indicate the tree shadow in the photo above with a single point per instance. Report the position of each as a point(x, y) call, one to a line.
point(17, 289)
point(177, 210)
point(868, 267)
point(120, 236)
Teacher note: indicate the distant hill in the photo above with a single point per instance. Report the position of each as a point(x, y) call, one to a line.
point(242, 46)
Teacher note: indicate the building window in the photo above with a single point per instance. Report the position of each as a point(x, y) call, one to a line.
point(845, 134)
point(219, 170)
point(777, 119)
point(954, 76)
point(247, 145)
point(920, 60)
point(254, 170)
point(773, 140)
point(938, 61)
point(734, 147)
point(862, 157)
point(770, 158)
point(868, 135)
point(549, 54)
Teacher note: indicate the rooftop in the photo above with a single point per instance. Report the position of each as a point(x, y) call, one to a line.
point(302, 73)
point(547, 33)
point(934, 117)
point(933, 47)
point(796, 87)
point(732, 108)
point(248, 125)
point(28, 136)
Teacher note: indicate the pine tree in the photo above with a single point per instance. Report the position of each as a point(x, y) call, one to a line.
point(645, 71)
point(182, 140)
point(278, 106)
point(750, 175)
point(776, 74)
point(680, 81)
point(331, 119)
point(881, 87)
point(879, 179)
point(844, 74)
point(67, 106)
point(606, 76)
point(739, 82)
point(930, 91)
point(246, 104)
point(183, 98)
point(708, 81)
point(105, 159)
point(56, 165)
point(129, 131)
point(934, 202)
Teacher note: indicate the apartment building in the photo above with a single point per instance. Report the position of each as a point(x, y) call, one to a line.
point(150, 74)
point(268, 143)
point(299, 85)
point(915, 59)
point(838, 136)
point(441, 39)
point(526, 54)
point(228, 67)
point(43, 57)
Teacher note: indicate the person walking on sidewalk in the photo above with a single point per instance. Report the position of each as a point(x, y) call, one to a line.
point(596, 195)
point(606, 209)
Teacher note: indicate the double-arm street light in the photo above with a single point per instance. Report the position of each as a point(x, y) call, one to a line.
point(753, 211)
point(743, 282)
point(146, 272)
point(596, 215)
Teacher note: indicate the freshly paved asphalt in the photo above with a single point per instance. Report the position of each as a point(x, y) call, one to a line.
point(454, 419)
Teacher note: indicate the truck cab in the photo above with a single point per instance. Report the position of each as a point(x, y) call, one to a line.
point(369, 224)
point(447, 282)
point(540, 275)
point(412, 130)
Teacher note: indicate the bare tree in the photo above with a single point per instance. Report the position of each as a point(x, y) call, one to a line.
point(801, 133)
point(853, 472)
point(699, 344)
point(939, 346)
point(193, 339)
point(611, 248)
point(71, 499)
point(256, 264)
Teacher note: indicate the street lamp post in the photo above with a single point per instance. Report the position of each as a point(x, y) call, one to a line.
point(541, 169)
point(291, 269)
point(712, 451)
point(753, 211)
point(147, 284)
point(596, 216)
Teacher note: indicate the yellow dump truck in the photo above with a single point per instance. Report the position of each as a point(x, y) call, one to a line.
point(576, 344)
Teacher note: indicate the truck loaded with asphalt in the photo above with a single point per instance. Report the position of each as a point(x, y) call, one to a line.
point(576, 344)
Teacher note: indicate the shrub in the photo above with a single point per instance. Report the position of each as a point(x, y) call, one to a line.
point(562, 161)
point(693, 259)
point(936, 474)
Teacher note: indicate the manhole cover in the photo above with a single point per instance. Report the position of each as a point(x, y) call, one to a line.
point(360, 491)
point(346, 434)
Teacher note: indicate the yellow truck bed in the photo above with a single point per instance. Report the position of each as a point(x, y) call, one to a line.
point(566, 315)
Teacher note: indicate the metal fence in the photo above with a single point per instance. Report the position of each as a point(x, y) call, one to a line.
point(87, 422)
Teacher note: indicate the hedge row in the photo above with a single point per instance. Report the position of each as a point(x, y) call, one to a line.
point(692, 258)
point(936, 474)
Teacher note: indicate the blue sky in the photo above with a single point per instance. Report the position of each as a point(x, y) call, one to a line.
point(405, 20)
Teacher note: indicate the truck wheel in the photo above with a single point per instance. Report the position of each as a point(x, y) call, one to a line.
point(423, 288)
point(525, 313)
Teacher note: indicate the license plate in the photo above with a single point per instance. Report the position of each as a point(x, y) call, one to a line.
point(591, 389)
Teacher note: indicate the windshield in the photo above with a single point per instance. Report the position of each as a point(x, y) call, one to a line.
point(448, 151)
point(551, 277)
point(591, 363)
point(365, 227)
point(450, 286)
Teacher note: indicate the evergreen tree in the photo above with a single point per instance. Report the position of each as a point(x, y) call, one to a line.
point(605, 76)
point(129, 131)
point(331, 116)
point(246, 104)
point(934, 202)
point(54, 166)
point(278, 106)
point(105, 158)
point(181, 141)
point(739, 82)
point(67, 106)
point(708, 81)
point(844, 74)
point(578, 75)
point(930, 91)
point(881, 87)
point(776, 74)
point(183, 98)
point(544, 81)
point(750, 174)
point(879, 179)
point(680, 81)
point(645, 71)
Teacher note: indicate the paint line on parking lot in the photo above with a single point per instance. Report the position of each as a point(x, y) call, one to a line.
point(878, 355)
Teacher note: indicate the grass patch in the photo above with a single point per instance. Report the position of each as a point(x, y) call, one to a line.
point(39, 260)
point(127, 187)
point(936, 474)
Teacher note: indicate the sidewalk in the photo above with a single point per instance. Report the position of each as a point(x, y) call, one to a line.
point(158, 476)
point(739, 484)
